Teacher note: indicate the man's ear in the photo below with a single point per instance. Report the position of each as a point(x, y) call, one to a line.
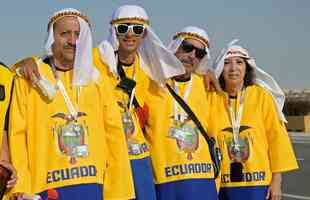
point(145, 33)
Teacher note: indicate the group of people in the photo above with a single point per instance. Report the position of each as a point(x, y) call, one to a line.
point(134, 119)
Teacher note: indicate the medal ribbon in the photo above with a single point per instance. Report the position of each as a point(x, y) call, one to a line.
point(135, 67)
point(67, 99)
point(64, 93)
point(136, 64)
point(236, 119)
point(177, 115)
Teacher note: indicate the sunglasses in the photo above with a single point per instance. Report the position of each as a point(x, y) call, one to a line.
point(123, 29)
point(188, 47)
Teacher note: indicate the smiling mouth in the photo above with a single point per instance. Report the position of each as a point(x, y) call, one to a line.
point(129, 41)
point(234, 76)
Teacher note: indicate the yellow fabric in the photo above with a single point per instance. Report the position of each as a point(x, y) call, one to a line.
point(167, 156)
point(6, 78)
point(269, 144)
point(142, 85)
point(34, 147)
point(119, 181)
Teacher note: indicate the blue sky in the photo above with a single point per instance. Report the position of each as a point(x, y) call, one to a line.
point(276, 32)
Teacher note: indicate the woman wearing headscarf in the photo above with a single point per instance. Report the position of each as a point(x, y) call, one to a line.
point(250, 128)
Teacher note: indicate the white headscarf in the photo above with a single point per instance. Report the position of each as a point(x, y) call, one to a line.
point(156, 60)
point(192, 32)
point(84, 71)
point(262, 78)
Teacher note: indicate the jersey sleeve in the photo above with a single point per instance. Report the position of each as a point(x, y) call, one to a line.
point(281, 153)
point(18, 136)
point(118, 183)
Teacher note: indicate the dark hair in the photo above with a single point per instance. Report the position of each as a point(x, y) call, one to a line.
point(249, 76)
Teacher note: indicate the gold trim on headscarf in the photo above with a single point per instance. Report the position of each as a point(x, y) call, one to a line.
point(67, 14)
point(187, 35)
point(237, 53)
point(136, 20)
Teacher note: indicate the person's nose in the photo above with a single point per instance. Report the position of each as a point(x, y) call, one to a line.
point(234, 66)
point(129, 33)
point(72, 39)
point(192, 54)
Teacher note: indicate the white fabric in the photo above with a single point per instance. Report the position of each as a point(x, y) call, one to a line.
point(108, 56)
point(175, 44)
point(262, 78)
point(156, 60)
point(84, 71)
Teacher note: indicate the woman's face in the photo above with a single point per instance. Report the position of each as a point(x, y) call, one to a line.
point(234, 70)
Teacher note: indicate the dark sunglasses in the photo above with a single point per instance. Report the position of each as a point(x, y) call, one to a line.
point(122, 29)
point(188, 47)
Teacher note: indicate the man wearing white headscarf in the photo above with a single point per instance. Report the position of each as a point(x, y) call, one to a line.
point(180, 155)
point(249, 124)
point(60, 129)
point(136, 57)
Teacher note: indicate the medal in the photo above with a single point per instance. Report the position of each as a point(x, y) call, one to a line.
point(182, 131)
point(238, 147)
point(135, 148)
point(127, 120)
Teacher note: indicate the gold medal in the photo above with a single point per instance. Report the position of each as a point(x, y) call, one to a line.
point(127, 120)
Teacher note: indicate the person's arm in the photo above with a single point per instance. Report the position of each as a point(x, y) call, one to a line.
point(5, 161)
point(211, 82)
point(28, 69)
point(274, 191)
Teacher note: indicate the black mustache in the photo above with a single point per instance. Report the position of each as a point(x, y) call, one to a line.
point(70, 46)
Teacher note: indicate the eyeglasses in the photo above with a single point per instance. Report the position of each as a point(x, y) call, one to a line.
point(188, 47)
point(122, 29)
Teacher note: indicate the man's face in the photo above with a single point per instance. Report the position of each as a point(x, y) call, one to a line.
point(187, 54)
point(130, 36)
point(66, 32)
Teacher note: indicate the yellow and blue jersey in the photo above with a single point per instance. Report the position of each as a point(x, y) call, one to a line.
point(138, 149)
point(6, 79)
point(50, 160)
point(182, 164)
point(264, 135)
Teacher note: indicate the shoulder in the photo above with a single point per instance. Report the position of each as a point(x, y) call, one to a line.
point(101, 65)
point(259, 90)
point(5, 73)
point(260, 94)
point(4, 68)
point(198, 81)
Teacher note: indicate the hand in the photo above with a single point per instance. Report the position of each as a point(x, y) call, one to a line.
point(211, 82)
point(274, 191)
point(13, 179)
point(28, 69)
